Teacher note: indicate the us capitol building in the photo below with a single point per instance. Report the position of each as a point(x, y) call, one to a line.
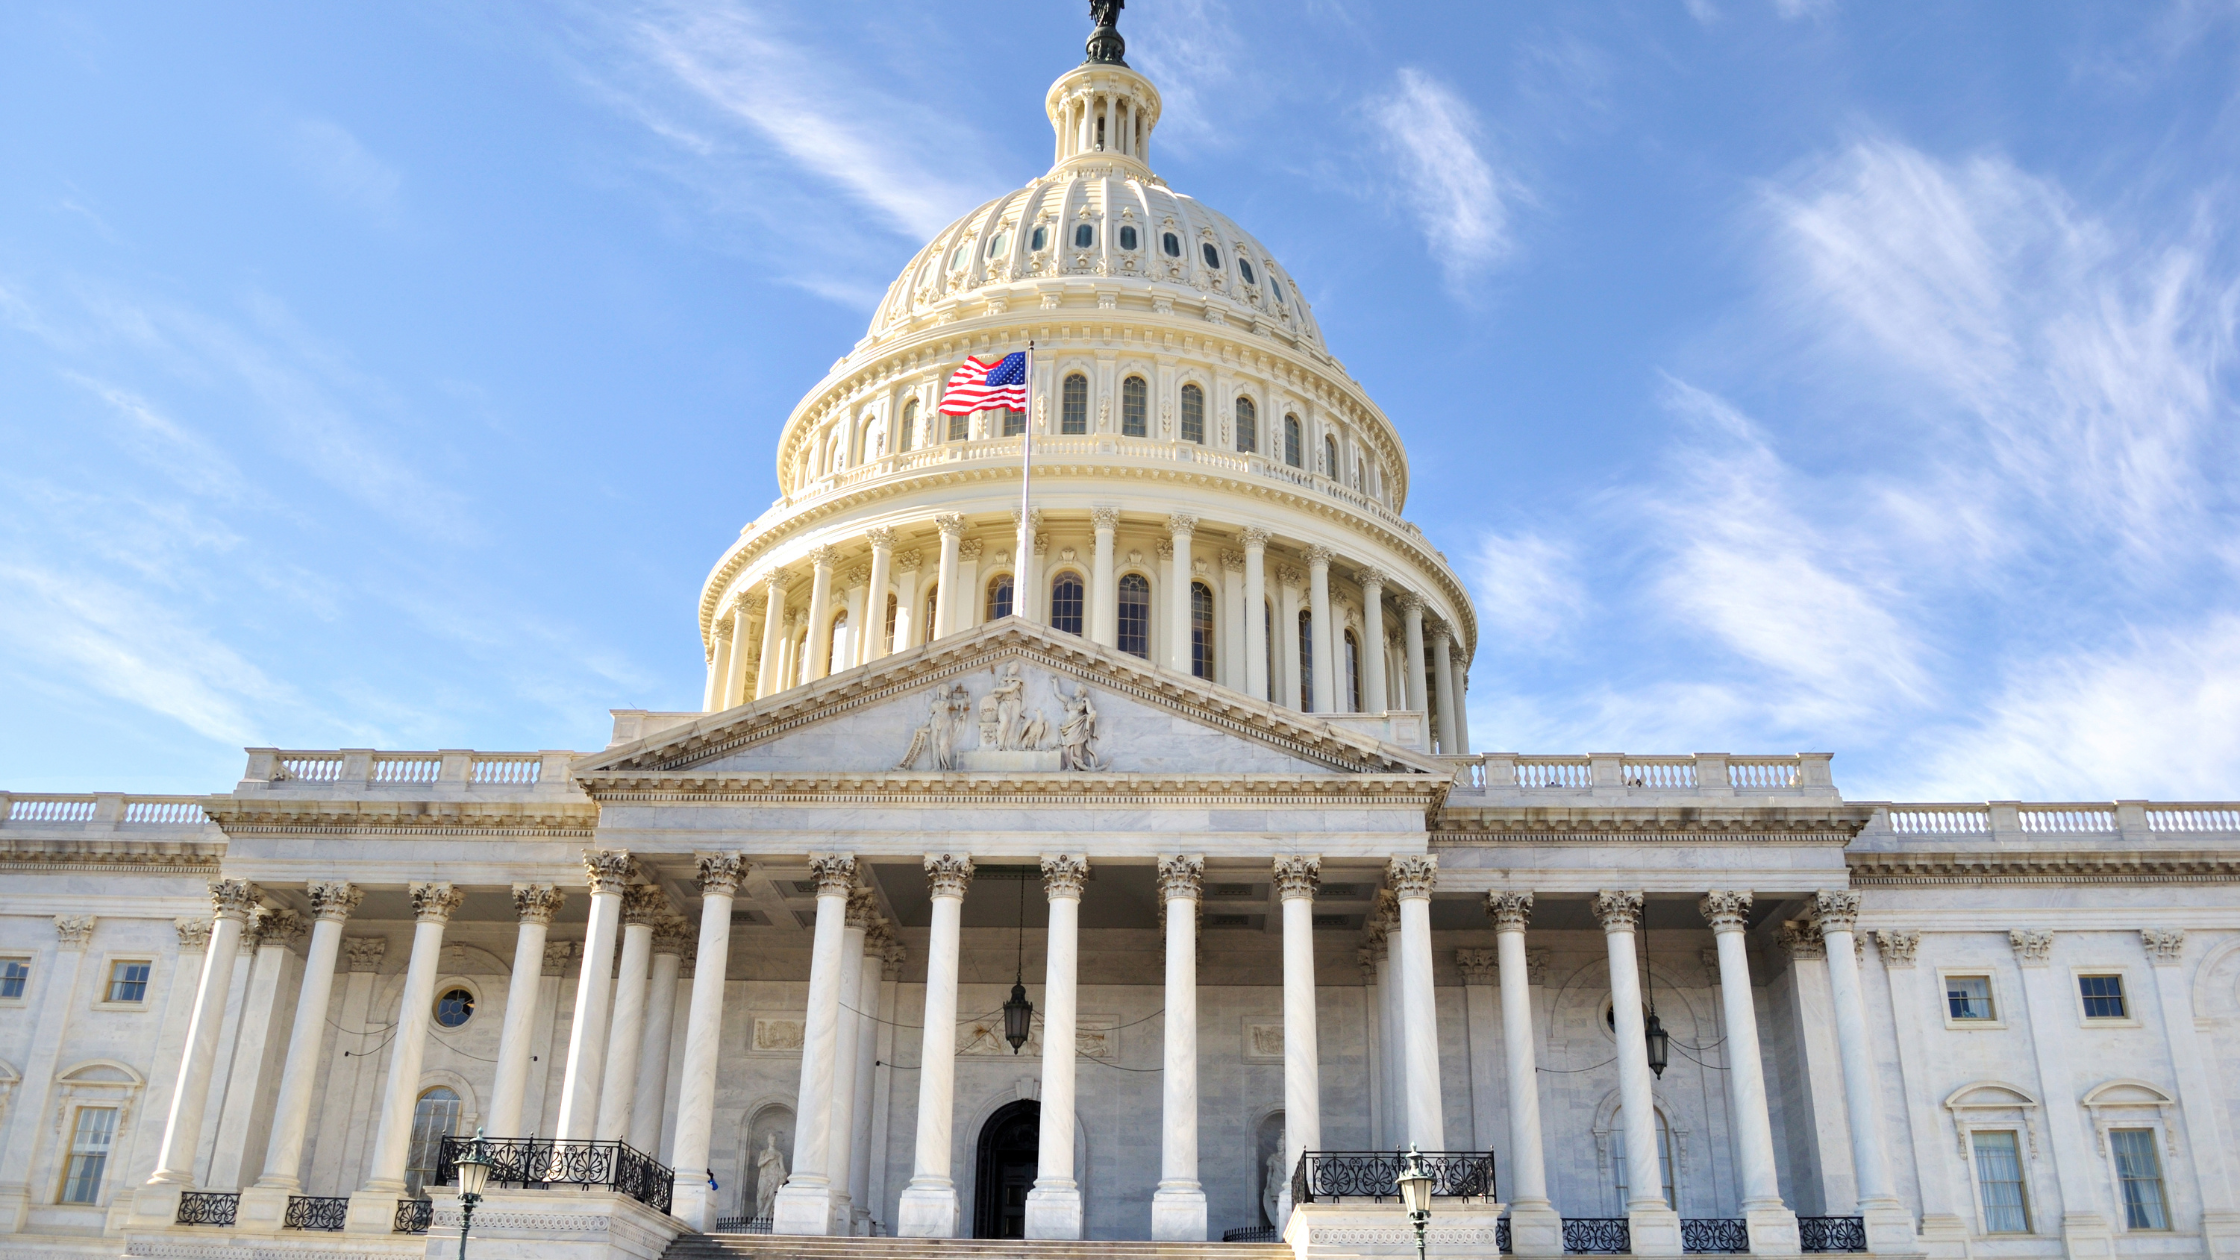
point(1115, 872)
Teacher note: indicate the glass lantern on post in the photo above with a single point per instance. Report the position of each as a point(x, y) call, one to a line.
point(1415, 1193)
point(474, 1174)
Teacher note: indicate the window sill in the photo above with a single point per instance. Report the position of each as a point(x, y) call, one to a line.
point(121, 1006)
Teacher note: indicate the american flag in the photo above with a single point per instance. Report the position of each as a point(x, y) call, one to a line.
point(979, 386)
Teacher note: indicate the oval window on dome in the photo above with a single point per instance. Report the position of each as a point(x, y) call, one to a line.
point(1172, 244)
point(1244, 268)
point(1001, 243)
point(1038, 238)
point(1213, 256)
point(1127, 238)
point(1084, 236)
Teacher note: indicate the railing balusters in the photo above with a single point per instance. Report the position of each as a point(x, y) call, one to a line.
point(540, 1162)
point(1376, 1174)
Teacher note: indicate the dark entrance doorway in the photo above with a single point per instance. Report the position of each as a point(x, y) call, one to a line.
point(1008, 1152)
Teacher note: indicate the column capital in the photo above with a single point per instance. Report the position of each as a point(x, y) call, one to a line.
point(537, 903)
point(1618, 910)
point(948, 874)
point(778, 580)
point(1366, 957)
point(194, 935)
point(1035, 515)
point(1802, 940)
point(908, 561)
point(1536, 966)
point(881, 536)
point(720, 873)
point(672, 934)
point(1370, 577)
point(1897, 947)
point(1181, 876)
point(970, 549)
point(1837, 910)
point(1383, 915)
point(1319, 557)
point(1479, 966)
point(73, 931)
point(2166, 947)
point(607, 870)
point(1412, 876)
point(1102, 519)
point(1727, 909)
point(280, 928)
point(951, 524)
point(722, 628)
point(1510, 911)
point(1297, 877)
point(557, 956)
point(2033, 947)
point(333, 900)
point(434, 901)
point(1254, 538)
point(1063, 874)
point(863, 908)
point(1441, 635)
point(234, 898)
point(364, 953)
point(823, 556)
point(643, 905)
point(749, 604)
point(835, 873)
point(1232, 560)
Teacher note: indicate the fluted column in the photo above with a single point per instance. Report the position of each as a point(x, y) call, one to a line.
point(770, 679)
point(719, 665)
point(693, 1202)
point(1180, 528)
point(234, 900)
point(331, 904)
point(737, 689)
point(274, 933)
point(1372, 1040)
point(819, 648)
point(1655, 1226)
point(672, 936)
point(1026, 569)
point(1773, 1227)
point(1228, 661)
point(945, 595)
point(1104, 580)
point(1411, 620)
point(1534, 1227)
point(642, 908)
point(872, 638)
point(608, 872)
point(1291, 689)
point(1442, 670)
point(862, 912)
point(929, 1203)
point(534, 904)
point(1325, 681)
point(805, 1201)
point(1256, 613)
point(1372, 646)
point(1178, 1206)
point(1054, 1205)
point(1412, 878)
point(878, 945)
point(1296, 879)
point(1460, 669)
point(1889, 1221)
point(373, 1208)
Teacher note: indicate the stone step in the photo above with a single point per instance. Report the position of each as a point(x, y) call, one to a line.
point(789, 1247)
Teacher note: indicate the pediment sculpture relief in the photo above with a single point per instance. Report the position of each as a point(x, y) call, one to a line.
point(999, 732)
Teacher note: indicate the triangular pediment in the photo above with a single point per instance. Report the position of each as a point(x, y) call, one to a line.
point(1014, 698)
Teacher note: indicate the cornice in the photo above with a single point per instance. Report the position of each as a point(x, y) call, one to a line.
point(268, 815)
point(111, 856)
point(1952, 867)
point(1414, 792)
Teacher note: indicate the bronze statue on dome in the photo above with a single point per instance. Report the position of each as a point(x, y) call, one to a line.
point(1106, 48)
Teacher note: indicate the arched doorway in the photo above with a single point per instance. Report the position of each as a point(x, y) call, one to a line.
point(1005, 1170)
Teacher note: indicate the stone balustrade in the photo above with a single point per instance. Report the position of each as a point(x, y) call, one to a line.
point(451, 769)
point(1702, 774)
point(102, 812)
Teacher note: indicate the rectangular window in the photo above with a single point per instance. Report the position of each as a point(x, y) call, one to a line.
point(960, 427)
point(2145, 1206)
point(128, 982)
point(89, 1154)
point(15, 974)
point(1014, 422)
point(1073, 415)
point(2103, 997)
point(2006, 1209)
point(1968, 997)
point(1193, 414)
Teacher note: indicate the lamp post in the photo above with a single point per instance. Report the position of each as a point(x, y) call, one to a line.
point(474, 1174)
point(1415, 1192)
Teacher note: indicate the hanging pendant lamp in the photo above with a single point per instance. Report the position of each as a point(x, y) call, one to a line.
point(1018, 1013)
point(1660, 1041)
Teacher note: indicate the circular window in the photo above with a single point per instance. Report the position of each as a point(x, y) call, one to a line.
point(1039, 238)
point(1127, 238)
point(1213, 256)
point(1084, 236)
point(1172, 244)
point(454, 1008)
point(1244, 268)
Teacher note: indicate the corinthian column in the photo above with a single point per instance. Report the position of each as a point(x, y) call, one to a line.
point(804, 1203)
point(735, 682)
point(1773, 1227)
point(693, 1201)
point(1534, 1227)
point(373, 1209)
point(672, 936)
point(331, 904)
point(1104, 589)
point(1054, 1205)
point(1655, 1226)
point(945, 595)
point(1411, 620)
point(1412, 878)
point(719, 664)
point(872, 637)
point(1372, 647)
point(1442, 670)
point(769, 680)
point(1178, 1206)
point(1255, 612)
point(820, 610)
point(1296, 879)
point(929, 1203)
point(608, 871)
point(1181, 527)
point(1326, 645)
point(1889, 1222)
point(862, 913)
point(642, 908)
point(234, 899)
point(534, 905)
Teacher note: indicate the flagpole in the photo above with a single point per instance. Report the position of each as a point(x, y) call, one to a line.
point(1019, 594)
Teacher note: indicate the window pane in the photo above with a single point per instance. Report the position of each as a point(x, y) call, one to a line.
point(1084, 236)
point(15, 973)
point(933, 601)
point(1291, 453)
point(1244, 268)
point(1968, 997)
point(1248, 425)
point(1134, 400)
point(1135, 615)
point(90, 1140)
point(909, 426)
point(960, 427)
point(2103, 996)
point(1014, 422)
point(999, 597)
point(1201, 630)
point(1127, 238)
point(2144, 1205)
point(1172, 244)
point(1065, 603)
point(1193, 414)
point(1999, 1173)
point(1618, 1156)
point(1075, 415)
point(1212, 255)
point(457, 1006)
point(128, 982)
point(1352, 681)
point(434, 1118)
point(1039, 238)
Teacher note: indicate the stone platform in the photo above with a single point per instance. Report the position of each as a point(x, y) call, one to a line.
point(790, 1247)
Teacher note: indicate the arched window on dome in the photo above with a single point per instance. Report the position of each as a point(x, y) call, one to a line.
point(1073, 415)
point(1291, 452)
point(1306, 660)
point(1172, 244)
point(874, 443)
point(997, 244)
point(1065, 603)
point(1201, 630)
point(1211, 255)
point(1193, 414)
point(894, 612)
point(842, 646)
point(1329, 456)
point(1084, 235)
point(909, 432)
point(1135, 399)
point(1244, 268)
point(933, 601)
point(1275, 288)
point(1128, 239)
point(1248, 425)
point(1039, 239)
point(999, 596)
point(962, 253)
point(1352, 681)
point(1135, 615)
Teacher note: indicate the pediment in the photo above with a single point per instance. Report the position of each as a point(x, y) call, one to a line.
point(1010, 698)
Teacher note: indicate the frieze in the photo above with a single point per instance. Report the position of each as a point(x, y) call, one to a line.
point(1886, 870)
point(122, 857)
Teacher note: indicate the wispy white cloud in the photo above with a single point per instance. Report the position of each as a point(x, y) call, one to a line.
point(1527, 587)
point(1791, 10)
point(1457, 195)
point(342, 167)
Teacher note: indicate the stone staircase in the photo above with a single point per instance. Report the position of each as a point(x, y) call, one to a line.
point(787, 1247)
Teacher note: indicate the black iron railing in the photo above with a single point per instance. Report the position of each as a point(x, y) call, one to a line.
point(207, 1207)
point(1597, 1236)
point(543, 1163)
point(742, 1225)
point(306, 1212)
point(1252, 1233)
point(414, 1216)
point(1832, 1233)
point(1714, 1235)
point(1376, 1175)
point(1501, 1236)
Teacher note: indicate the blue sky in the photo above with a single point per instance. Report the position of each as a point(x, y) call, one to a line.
point(1781, 374)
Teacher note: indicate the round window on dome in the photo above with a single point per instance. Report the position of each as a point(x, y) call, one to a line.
point(1172, 244)
point(1213, 256)
point(1084, 236)
point(1127, 238)
point(1038, 238)
point(1244, 268)
point(454, 1008)
point(1001, 243)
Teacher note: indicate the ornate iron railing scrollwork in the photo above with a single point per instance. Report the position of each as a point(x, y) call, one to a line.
point(1252, 1234)
point(1501, 1236)
point(542, 1163)
point(1714, 1235)
point(1597, 1236)
point(413, 1216)
point(1821, 1234)
point(309, 1212)
point(1325, 1175)
point(208, 1207)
